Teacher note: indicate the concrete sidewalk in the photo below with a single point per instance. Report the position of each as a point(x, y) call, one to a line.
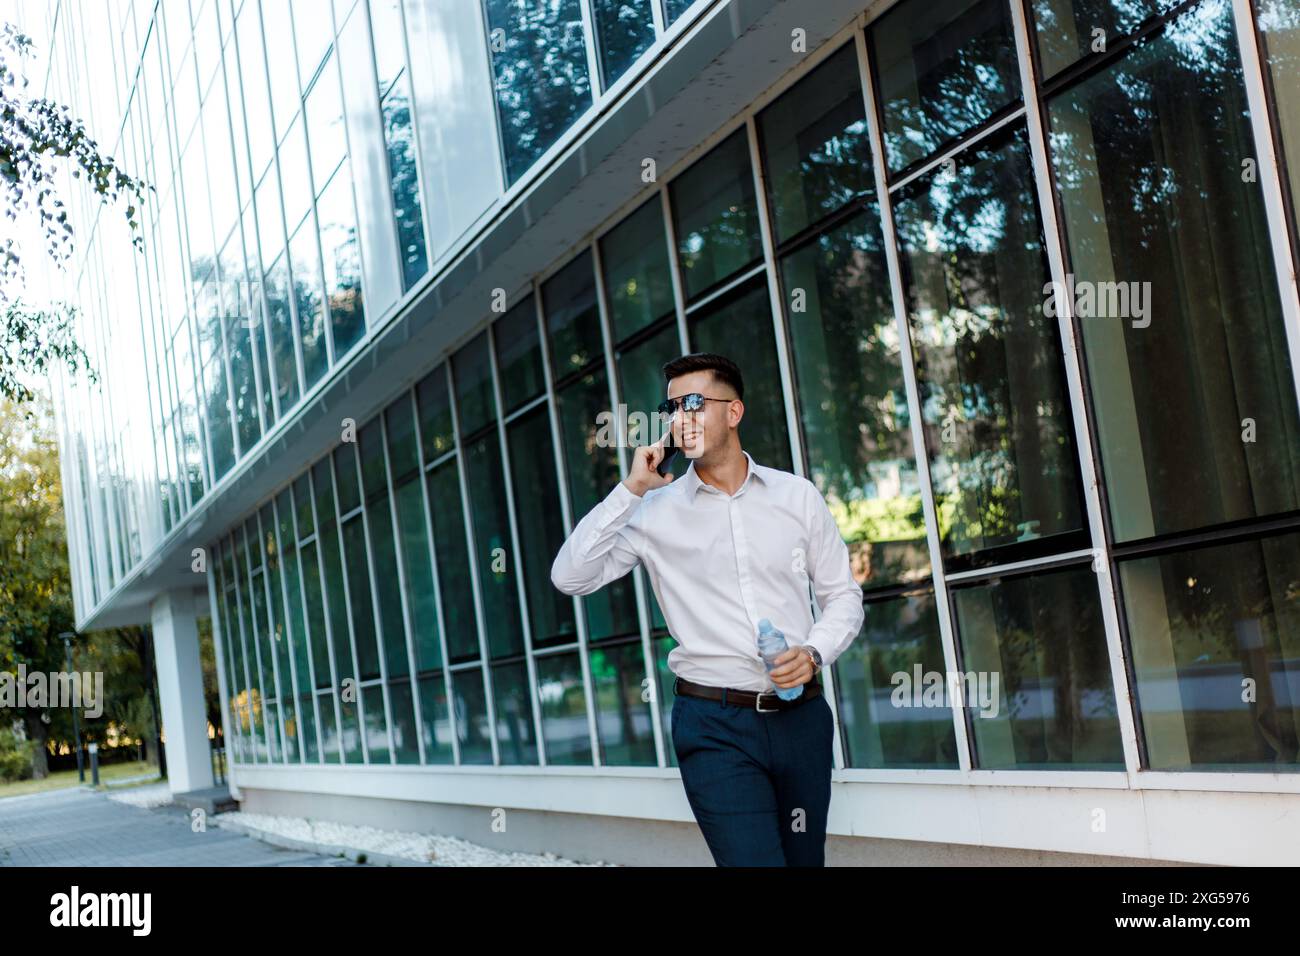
point(76, 827)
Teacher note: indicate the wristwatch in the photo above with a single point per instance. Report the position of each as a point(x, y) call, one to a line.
point(816, 656)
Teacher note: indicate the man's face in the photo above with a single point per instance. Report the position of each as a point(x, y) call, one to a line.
point(700, 432)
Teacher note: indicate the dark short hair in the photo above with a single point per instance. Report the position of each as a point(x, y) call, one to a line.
point(724, 369)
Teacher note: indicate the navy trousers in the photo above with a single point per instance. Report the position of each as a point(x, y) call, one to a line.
point(759, 784)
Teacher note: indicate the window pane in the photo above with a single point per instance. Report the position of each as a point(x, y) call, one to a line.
point(386, 31)
point(714, 216)
point(674, 9)
point(342, 257)
point(372, 699)
point(399, 420)
point(815, 147)
point(643, 387)
point(452, 554)
point(900, 641)
point(400, 136)
point(472, 369)
point(1174, 285)
point(383, 552)
point(359, 596)
point(471, 717)
point(623, 728)
point(315, 33)
point(284, 360)
point(304, 256)
point(638, 283)
point(325, 124)
point(539, 65)
point(516, 737)
point(593, 470)
point(256, 95)
point(406, 745)
point(316, 616)
point(519, 355)
point(332, 576)
point(624, 30)
point(1069, 30)
point(295, 176)
point(740, 327)
point(435, 413)
point(572, 316)
point(853, 405)
point(283, 72)
point(564, 710)
point(1041, 637)
point(497, 562)
point(998, 426)
point(541, 528)
point(1214, 634)
point(435, 720)
point(942, 68)
point(1279, 26)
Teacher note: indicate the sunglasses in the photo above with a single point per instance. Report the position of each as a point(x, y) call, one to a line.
point(691, 403)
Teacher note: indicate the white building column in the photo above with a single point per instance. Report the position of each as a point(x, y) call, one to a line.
point(180, 691)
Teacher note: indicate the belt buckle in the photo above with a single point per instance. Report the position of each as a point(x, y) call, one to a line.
point(758, 703)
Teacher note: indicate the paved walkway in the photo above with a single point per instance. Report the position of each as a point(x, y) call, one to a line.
point(76, 827)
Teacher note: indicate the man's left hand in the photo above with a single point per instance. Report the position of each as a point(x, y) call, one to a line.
point(793, 667)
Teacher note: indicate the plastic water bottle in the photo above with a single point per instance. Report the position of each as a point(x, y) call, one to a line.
point(771, 645)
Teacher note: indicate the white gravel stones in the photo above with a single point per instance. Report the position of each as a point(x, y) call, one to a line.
point(423, 847)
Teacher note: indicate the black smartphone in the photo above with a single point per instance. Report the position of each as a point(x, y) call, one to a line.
point(670, 452)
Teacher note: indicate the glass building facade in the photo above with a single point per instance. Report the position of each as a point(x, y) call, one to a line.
point(1011, 281)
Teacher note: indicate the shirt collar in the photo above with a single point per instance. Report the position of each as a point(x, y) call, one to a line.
point(694, 483)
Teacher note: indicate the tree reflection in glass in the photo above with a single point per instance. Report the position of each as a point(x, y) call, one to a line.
point(989, 369)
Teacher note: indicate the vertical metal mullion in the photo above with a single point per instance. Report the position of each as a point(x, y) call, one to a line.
point(437, 583)
point(241, 533)
point(508, 480)
point(403, 588)
point(288, 618)
point(638, 573)
point(306, 622)
point(593, 55)
point(472, 548)
point(1054, 247)
point(421, 186)
point(219, 653)
point(1269, 170)
point(675, 270)
point(566, 512)
point(774, 299)
point(387, 171)
point(782, 333)
point(347, 604)
point(300, 367)
point(252, 204)
point(657, 15)
point(370, 577)
point(906, 360)
point(325, 608)
point(270, 619)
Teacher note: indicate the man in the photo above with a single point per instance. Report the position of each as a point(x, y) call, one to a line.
point(727, 544)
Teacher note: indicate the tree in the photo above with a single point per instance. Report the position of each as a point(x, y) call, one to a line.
point(35, 585)
point(35, 134)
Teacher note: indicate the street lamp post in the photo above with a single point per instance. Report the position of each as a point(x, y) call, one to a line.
point(76, 724)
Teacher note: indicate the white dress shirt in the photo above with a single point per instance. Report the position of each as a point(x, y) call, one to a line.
point(719, 563)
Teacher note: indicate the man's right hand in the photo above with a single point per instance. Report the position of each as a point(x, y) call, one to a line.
point(644, 475)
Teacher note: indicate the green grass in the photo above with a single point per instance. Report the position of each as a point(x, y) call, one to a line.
point(62, 779)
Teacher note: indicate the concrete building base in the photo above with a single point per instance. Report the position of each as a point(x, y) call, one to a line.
point(631, 841)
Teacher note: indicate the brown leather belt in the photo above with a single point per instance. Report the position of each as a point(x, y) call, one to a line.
point(765, 702)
